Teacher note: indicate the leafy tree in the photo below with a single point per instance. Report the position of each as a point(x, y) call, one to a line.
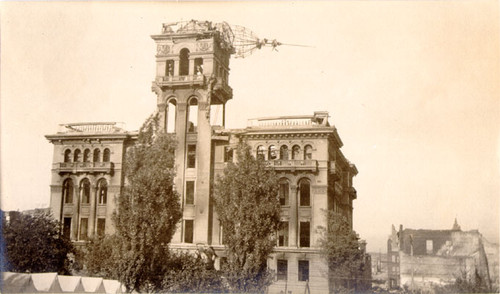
point(340, 245)
point(34, 244)
point(247, 204)
point(191, 274)
point(148, 210)
point(101, 257)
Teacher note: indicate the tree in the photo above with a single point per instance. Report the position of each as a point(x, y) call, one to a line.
point(101, 257)
point(148, 210)
point(340, 245)
point(34, 243)
point(247, 204)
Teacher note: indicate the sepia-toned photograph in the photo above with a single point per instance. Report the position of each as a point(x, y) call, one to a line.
point(285, 147)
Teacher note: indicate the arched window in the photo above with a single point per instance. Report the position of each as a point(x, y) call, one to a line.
point(67, 155)
point(85, 191)
point(198, 66)
point(68, 191)
point(304, 193)
point(106, 155)
point(170, 116)
point(86, 155)
point(284, 152)
point(261, 153)
point(78, 156)
point(284, 191)
point(272, 153)
point(192, 115)
point(97, 155)
point(296, 152)
point(102, 191)
point(184, 62)
point(308, 152)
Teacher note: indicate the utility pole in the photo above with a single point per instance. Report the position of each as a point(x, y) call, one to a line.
point(412, 263)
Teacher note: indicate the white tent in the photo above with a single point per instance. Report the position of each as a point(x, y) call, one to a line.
point(46, 282)
point(112, 286)
point(17, 283)
point(93, 285)
point(71, 284)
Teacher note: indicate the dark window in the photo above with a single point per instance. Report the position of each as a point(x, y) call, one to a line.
point(170, 116)
point(284, 188)
point(67, 227)
point(272, 153)
point(305, 234)
point(305, 193)
point(106, 156)
point(188, 231)
point(170, 68)
point(308, 152)
point(191, 156)
point(283, 234)
point(303, 270)
point(77, 156)
point(190, 192)
point(101, 226)
point(228, 154)
point(284, 152)
point(261, 151)
point(184, 62)
point(102, 191)
point(282, 270)
point(84, 226)
point(68, 191)
point(67, 155)
point(86, 155)
point(296, 152)
point(97, 155)
point(85, 191)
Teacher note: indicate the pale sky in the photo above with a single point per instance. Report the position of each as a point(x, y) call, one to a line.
point(412, 87)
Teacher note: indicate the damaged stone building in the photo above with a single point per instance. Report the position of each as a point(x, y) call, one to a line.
point(191, 86)
point(419, 258)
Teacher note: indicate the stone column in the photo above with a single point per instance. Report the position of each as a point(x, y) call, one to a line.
point(293, 222)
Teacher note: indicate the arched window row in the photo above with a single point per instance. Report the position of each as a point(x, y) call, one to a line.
point(284, 152)
point(87, 155)
point(84, 191)
point(303, 191)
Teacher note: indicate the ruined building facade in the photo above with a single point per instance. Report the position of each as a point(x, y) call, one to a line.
point(191, 86)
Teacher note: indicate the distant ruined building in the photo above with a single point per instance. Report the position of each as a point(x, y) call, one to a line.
point(419, 258)
point(191, 85)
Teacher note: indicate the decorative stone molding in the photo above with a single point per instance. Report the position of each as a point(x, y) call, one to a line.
point(203, 46)
point(162, 50)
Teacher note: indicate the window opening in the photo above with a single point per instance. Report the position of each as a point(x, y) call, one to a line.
point(67, 227)
point(283, 192)
point(68, 191)
point(106, 156)
point(192, 115)
point(102, 191)
point(67, 155)
point(198, 66)
point(77, 156)
point(85, 191)
point(272, 153)
point(283, 234)
point(296, 152)
point(228, 154)
point(303, 270)
point(191, 156)
point(188, 231)
point(86, 155)
point(170, 116)
point(101, 226)
point(308, 152)
point(190, 192)
point(184, 62)
point(284, 152)
point(169, 68)
point(305, 193)
point(97, 155)
point(282, 270)
point(305, 234)
point(84, 226)
point(261, 151)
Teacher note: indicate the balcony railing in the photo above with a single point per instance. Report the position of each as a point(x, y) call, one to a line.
point(307, 164)
point(180, 80)
point(90, 167)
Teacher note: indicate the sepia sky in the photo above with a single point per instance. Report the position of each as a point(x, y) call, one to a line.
point(412, 87)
